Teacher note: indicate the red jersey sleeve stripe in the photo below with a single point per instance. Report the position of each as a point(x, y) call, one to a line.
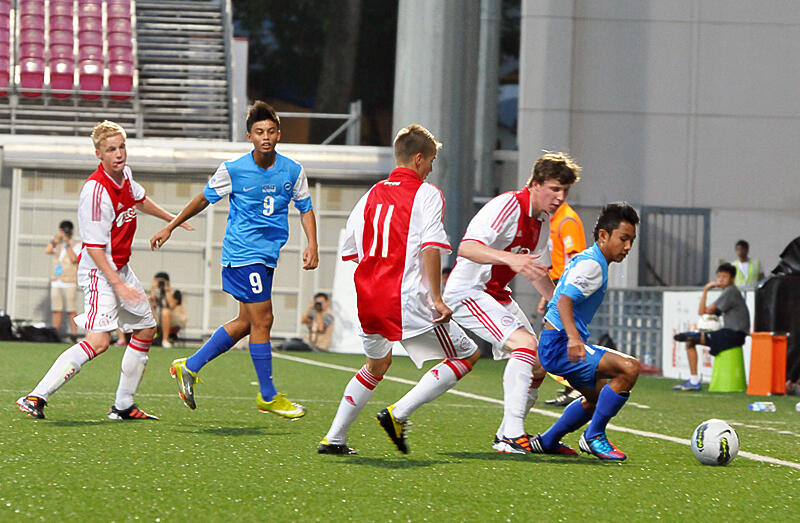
point(349, 257)
point(503, 214)
point(474, 240)
point(97, 198)
point(95, 245)
point(436, 244)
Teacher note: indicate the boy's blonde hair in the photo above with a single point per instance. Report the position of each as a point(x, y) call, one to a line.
point(557, 166)
point(106, 129)
point(412, 140)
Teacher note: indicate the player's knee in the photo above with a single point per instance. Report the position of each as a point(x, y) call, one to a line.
point(474, 357)
point(539, 372)
point(631, 368)
point(99, 345)
point(146, 334)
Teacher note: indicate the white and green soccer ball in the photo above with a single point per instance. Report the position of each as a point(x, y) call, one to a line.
point(714, 442)
point(708, 322)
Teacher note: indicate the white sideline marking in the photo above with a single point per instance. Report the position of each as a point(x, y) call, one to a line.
point(643, 433)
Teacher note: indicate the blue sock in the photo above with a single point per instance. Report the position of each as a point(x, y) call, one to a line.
point(608, 404)
point(261, 354)
point(573, 418)
point(218, 343)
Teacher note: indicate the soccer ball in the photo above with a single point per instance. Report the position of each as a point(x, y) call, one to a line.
point(714, 442)
point(709, 322)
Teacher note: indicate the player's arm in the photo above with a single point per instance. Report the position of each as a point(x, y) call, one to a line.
point(127, 293)
point(525, 264)
point(51, 246)
point(71, 252)
point(432, 271)
point(311, 254)
point(703, 308)
point(195, 206)
point(150, 207)
point(545, 286)
point(575, 348)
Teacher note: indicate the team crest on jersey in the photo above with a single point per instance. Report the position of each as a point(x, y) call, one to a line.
point(287, 186)
point(507, 320)
point(125, 217)
point(270, 187)
point(519, 249)
point(581, 283)
point(119, 206)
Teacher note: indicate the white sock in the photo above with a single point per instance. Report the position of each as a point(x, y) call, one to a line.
point(134, 362)
point(356, 395)
point(533, 393)
point(516, 384)
point(433, 384)
point(694, 379)
point(66, 366)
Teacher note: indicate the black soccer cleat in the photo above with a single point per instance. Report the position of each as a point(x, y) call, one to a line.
point(332, 448)
point(131, 413)
point(33, 406)
point(564, 398)
point(394, 428)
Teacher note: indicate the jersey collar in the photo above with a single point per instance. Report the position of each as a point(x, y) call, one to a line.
point(404, 171)
point(113, 181)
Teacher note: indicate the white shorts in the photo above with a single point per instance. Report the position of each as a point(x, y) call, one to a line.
point(103, 310)
point(446, 340)
point(491, 320)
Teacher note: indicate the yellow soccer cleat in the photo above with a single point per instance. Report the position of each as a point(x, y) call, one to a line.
point(395, 429)
point(281, 406)
point(186, 381)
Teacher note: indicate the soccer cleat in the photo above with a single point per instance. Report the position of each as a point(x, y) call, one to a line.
point(186, 381)
point(332, 448)
point(506, 445)
point(601, 447)
point(687, 336)
point(564, 398)
point(395, 428)
point(560, 449)
point(133, 412)
point(281, 406)
point(688, 385)
point(33, 406)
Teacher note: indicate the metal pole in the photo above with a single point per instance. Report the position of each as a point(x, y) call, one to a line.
point(486, 106)
point(354, 131)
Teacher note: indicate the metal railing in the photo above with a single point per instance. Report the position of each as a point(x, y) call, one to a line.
point(352, 122)
point(632, 317)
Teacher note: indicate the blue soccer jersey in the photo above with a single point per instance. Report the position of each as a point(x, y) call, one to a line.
point(258, 219)
point(584, 280)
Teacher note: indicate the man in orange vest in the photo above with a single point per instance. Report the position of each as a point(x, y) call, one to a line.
point(567, 239)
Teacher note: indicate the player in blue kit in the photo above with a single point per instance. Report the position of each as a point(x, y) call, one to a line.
point(259, 186)
point(604, 376)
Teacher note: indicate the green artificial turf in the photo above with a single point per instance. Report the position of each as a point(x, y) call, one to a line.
point(227, 461)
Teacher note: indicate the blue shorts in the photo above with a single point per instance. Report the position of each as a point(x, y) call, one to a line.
point(553, 357)
point(248, 284)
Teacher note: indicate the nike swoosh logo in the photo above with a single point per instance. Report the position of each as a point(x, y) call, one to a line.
point(245, 189)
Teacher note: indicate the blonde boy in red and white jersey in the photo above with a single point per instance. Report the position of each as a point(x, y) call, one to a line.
point(396, 235)
point(509, 236)
point(113, 296)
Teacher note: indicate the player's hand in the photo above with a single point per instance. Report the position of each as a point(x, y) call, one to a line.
point(185, 225)
point(443, 310)
point(522, 262)
point(534, 272)
point(128, 294)
point(310, 258)
point(710, 285)
point(576, 351)
point(160, 238)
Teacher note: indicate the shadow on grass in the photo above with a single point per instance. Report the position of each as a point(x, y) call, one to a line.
point(234, 431)
point(77, 422)
point(498, 456)
point(390, 463)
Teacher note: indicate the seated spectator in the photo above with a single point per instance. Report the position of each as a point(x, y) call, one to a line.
point(64, 275)
point(319, 320)
point(168, 309)
point(735, 318)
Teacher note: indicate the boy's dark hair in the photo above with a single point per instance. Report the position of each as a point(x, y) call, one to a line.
point(321, 295)
point(744, 244)
point(727, 267)
point(261, 111)
point(612, 214)
point(161, 276)
point(178, 295)
point(66, 226)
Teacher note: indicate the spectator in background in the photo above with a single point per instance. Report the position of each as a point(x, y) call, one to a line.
point(567, 239)
point(64, 275)
point(319, 320)
point(735, 318)
point(168, 309)
point(748, 271)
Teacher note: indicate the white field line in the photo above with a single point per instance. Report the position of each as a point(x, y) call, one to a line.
point(643, 433)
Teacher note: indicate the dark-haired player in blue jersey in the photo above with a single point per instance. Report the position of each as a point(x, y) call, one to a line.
point(604, 376)
point(259, 186)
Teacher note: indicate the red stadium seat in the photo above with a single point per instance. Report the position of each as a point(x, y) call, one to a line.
point(119, 25)
point(32, 7)
point(120, 54)
point(31, 36)
point(118, 10)
point(61, 37)
point(61, 51)
point(5, 74)
point(60, 23)
point(120, 78)
point(31, 51)
point(90, 23)
point(31, 76)
point(5, 42)
point(90, 38)
point(91, 77)
point(90, 52)
point(120, 40)
point(62, 75)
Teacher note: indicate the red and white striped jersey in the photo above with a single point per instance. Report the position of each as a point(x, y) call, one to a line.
point(386, 232)
point(107, 217)
point(505, 223)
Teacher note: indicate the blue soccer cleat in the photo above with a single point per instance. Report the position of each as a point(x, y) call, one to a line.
point(601, 447)
point(688, 385)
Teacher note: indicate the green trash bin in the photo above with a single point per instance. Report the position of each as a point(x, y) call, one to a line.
point(728, 372)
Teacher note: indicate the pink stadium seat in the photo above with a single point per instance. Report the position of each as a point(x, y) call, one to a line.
point(90, 23)
point(90, 52)
point(31, 22)
point(92, 9)
point(5, 41)
point(4, 19)
point(60, 8)
point(5, 68)
point(61, 51)
point(31, 36)
point(120, 40)
point(30, 50)
point(119, 25)
point(126, 3)
point(61, 38)
point(120, 54)
point(62, 75)
point(91, 77)
point(32, 7)
point(120, 78)
point(118, 10)
point(90, 38)
point(31, 76)
point(61, 23)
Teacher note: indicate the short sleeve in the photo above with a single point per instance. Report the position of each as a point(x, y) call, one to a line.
point(496, 223)
point(95, 215)
point(219, 186)
point(725, 300)
point(300, 193)
point(355, 224)
point(583, 280)
point(433, 233)
point(571, 235)
point(139, 194)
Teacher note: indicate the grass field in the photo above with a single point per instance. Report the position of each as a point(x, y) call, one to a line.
point(226, 460)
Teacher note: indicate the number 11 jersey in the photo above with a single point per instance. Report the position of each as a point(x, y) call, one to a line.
point(258, 223)
point(386, 232)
